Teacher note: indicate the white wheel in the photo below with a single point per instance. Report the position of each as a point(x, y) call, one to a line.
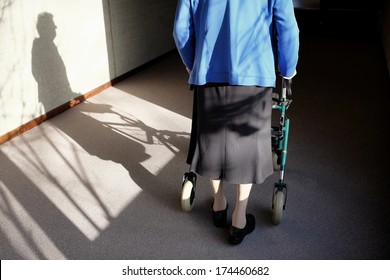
point(187, 195)
point(275, 161)
point(277, 212)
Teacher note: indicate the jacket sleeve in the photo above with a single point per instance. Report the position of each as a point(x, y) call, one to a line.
point(287, 36)
point(183, 32)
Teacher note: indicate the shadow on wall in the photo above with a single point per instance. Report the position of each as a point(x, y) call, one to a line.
point(48, 67)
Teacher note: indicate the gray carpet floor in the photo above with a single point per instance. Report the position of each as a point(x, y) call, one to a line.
point(103, 179)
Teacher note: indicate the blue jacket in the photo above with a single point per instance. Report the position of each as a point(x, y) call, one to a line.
point(232, 41)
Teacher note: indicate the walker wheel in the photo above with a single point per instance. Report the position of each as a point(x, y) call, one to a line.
point(278, 207)
point(275, 161)
point(188, 193)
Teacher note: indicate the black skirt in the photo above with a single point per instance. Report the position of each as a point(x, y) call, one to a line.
point(231, 133)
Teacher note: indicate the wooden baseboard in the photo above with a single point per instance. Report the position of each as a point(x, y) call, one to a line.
point(56, 111)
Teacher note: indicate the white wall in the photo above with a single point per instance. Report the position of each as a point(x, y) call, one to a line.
point(141, 30)
point(96, 41)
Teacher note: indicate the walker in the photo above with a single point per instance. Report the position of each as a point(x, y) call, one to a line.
point(279, 149)
point(279, 136)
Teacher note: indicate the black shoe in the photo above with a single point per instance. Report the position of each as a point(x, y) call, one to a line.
point(220, 217)
point(236, 235)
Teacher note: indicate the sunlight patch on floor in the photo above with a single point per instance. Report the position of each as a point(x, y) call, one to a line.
point(22, 232)
point(88, 187)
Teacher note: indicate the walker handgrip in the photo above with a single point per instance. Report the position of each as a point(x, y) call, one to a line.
point(286, 84)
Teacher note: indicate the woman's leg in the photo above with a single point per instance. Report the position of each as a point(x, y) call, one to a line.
point(220, 201)
point(239, 213)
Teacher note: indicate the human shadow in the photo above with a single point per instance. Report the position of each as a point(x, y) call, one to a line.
point(47, 66)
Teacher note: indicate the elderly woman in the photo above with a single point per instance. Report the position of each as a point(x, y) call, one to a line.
point(230, 49)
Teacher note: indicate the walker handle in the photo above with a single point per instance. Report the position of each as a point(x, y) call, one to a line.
point(286, 86)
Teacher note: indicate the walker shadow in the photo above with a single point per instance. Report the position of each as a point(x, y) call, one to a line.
point(112, 143)
point(149, 227)
point(153, 210)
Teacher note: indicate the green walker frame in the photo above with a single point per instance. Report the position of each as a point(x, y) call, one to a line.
point(279, 149)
